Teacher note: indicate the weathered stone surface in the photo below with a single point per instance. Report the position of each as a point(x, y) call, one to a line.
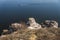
point(18, 26)
point(33, 24)
point(50, 23)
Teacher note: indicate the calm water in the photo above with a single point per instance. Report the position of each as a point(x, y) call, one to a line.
point(15, 10)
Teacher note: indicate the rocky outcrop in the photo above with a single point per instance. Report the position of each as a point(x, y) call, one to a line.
point(33, 24)
point(5, 31)
point(54, 24)
point(47, 30)
point(17, 26)
point(50, 23)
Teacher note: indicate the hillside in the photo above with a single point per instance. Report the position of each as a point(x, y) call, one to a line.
point(26, 34)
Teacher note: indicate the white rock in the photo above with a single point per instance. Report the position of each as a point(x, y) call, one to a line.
point(47, 22)
point(16, 24)
point(54, 24)
point(50, 23)
point(33, 24)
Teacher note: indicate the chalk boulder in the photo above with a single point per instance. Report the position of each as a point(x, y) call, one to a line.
point(33, 24)
point(50, 23)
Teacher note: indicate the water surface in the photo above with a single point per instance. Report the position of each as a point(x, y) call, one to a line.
point(16, 10)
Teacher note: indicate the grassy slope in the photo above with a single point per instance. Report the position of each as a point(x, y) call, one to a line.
point(41, 34)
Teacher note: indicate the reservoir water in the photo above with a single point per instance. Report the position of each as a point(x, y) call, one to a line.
point(16, 10)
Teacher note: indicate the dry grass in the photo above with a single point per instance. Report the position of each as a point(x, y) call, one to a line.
point(41, 34)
